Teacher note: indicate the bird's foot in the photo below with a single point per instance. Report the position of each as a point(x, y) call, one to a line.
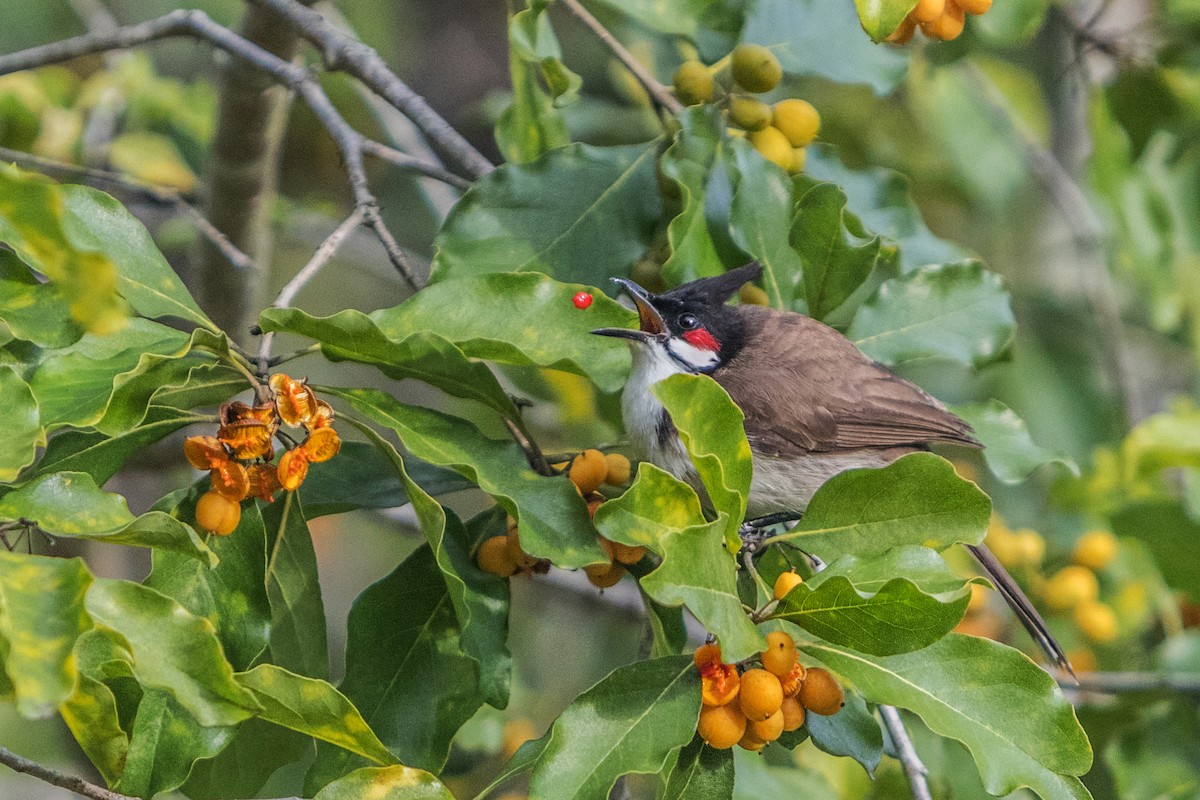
point(754, 531)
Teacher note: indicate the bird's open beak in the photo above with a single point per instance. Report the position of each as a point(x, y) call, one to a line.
point(650, 322)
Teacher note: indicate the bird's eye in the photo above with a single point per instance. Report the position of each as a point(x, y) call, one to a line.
point(688, 322)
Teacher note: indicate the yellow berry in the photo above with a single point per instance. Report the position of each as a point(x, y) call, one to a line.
point(755, 68)
point(603, 577)
point(793, 713)
point(770, 728)
point(693, 83)
point(707, 654)
point(780, 655)
point(514, 553)
point(751, 295)
point(217, 513)
point(750, 741)
point(719, 684)
point(588, 470)
point(1071, 587)
point(494, 557)
point(618, 469)
point(628, 554)
point(749, 112)
point(948, 26)
point(1097, 621)
point(799, 157)
point(1095, 549)
point(721, 727)
point(761, 694)
point(821, 693)
point(928, 10)
point(773, 146)
point(797, 120)
point(1004, 545)
point(1031, 546)
point(974, 6)
point(785, 583)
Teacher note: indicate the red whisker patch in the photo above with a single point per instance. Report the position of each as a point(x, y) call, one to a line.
point(701, 338)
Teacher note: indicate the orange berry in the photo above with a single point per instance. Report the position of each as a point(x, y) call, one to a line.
point(628, 554)
point(821, 693)
point(230, 479)
point(928, 10)
point(217, 513)
point(321, 445)
point(292, 469)
point(588, 471)
point(780, 655)
point(1097, 621)
point(948, 26)
point(294, 400)
point(904, 32)
point(606, 577)
point(515, 554)
point(974, 6)
point(1070, 587)
point(750, 741)
point(204, 452)
point(769, 729)
point(719, 684)
point(761, 694)
point(706, 654)
point(793, 713)
point(594, 501)
point(493, 557)
point(618, 469)
point(1095, 549)
point(792, 682)
point(721, 727)
point(785, 583)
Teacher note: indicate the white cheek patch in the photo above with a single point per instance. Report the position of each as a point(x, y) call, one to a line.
point(697, 359)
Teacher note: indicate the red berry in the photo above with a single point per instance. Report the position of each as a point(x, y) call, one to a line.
point(582, 300)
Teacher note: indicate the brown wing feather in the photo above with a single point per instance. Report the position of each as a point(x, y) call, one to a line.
point(821, 394)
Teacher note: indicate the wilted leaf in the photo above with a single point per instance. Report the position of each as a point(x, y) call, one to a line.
point(41, 615)
point(629, 722)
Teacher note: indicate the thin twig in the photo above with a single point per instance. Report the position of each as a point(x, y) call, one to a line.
point(340, 51)
point(320, 258)
point(658, 93)
point(533, 453)
point(1126, 682)
point(164, 195)
point(199, 25)
point(283, 358)
point(413, 164)
point(60, 779)
point(914, 768)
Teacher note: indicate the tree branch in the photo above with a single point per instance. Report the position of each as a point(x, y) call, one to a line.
point(342, 52)
point(60, 779)
point(413, 164)
point(658, 93)
point(914, 768)
point(199, 25)
point(1128, 682)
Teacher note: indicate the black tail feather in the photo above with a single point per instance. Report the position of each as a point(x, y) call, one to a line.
point(1022, 607)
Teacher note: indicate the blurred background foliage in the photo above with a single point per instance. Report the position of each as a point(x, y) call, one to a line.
point(1060, 142)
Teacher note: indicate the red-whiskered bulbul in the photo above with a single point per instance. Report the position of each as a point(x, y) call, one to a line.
point(814, 404)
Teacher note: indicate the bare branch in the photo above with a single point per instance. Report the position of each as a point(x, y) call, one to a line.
point(413, 164)
point(157, 194)
point(69, 782)
point(658, 93)
point(1110, 683)
point(914, 768)
point(199, 25)
point(320, 258)
point(342, 52)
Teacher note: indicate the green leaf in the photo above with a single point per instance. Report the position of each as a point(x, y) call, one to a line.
point(837, 252)
point(164, 744)
point(580, 214)
point(921, 566)
point(1162, 441)
point(480, 600)
point(313, 707)
point(1167, 531)
point(298, 641)
point(100, 455)
point(953, 311)
point(386, 783)
point(531, 38)
point(1008, 712)
point(23, 432)
point(91, 714)
point(1152, 758)
point(695, 161)
point(915, 500)
point(701, 773)
point(66, 503)
point(760, 222)
point(553, 518)
point(363, 477)
point(853, 731)
point(1009, 450)
point(232, 595)
point(31, 310)
point(701, 21)
point(812, 37)
point(205, 385)
point(895, 618)
point(530, 127)
point(173, 650)
point(159, 531)
point(41, 615)
point(697, 570)
point(667, 629)
point(501, 326)
point(255, 752)
point(405, 662)
point(353, 336)
point(628, 722)
point(880, 18)
point(710, 425)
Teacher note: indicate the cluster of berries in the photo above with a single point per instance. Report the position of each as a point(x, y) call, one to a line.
point(753, 708)
point(1076, 588)
point(238, 458)
point(779, 132)
point(938, 19)
point(503, 556)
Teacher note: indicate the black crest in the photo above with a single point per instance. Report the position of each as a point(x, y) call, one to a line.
point(716, 289)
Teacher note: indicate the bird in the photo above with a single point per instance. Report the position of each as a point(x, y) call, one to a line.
point(814, 404)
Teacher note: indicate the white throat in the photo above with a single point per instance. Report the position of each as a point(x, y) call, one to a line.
point(643, 413)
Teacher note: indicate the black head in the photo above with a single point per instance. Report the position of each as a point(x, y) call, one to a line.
point(692, 321)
